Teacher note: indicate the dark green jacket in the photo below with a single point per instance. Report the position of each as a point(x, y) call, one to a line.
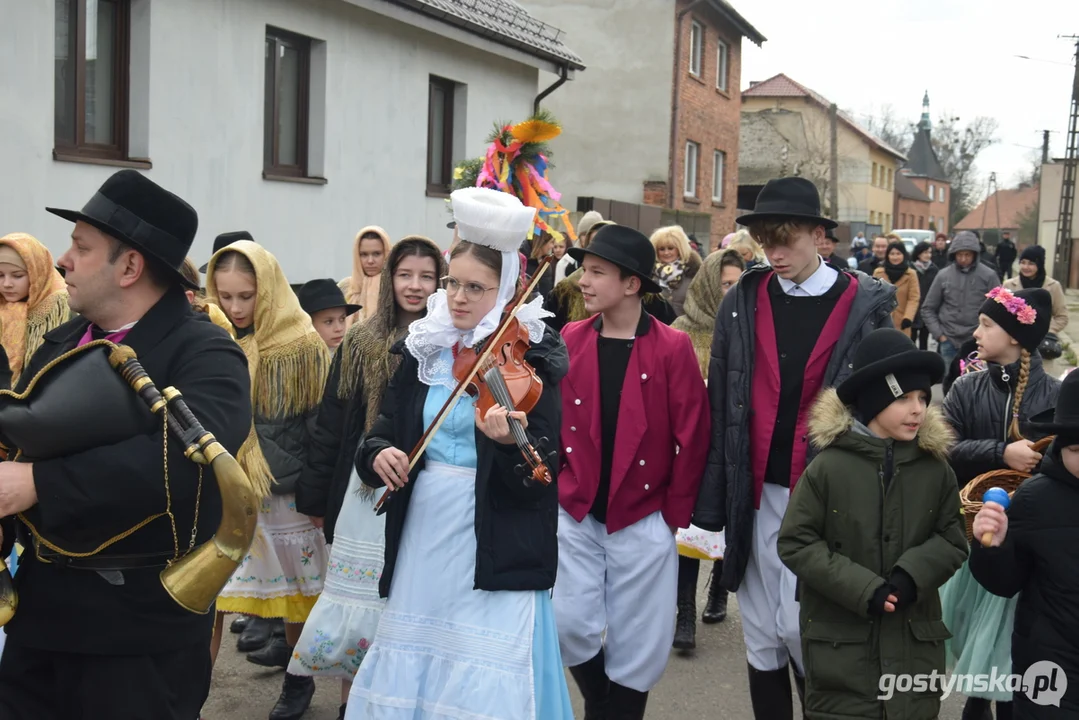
point(864, 507)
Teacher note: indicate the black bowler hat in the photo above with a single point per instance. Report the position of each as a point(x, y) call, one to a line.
point(224, 240)
point(136, 211)
point(887, 366)
point(323, 294)
point(1064, 419)
point(788, 198)
point(1013, 314)
point(626, 248)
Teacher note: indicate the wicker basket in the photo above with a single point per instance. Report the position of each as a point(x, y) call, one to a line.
point(970, 497)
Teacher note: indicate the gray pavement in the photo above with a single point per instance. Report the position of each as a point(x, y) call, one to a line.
point(709, 684)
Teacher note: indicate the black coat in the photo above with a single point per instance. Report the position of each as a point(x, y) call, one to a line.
point(516, 526)
point(979, 407)
point(726, 498)
point(869, 265)
point(89, 497)
point(331, 451)
point(1006, 254)
point(925, 281)
point(1039, 560)
point(940, 258)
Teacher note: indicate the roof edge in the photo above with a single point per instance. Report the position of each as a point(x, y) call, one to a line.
point(736, 19)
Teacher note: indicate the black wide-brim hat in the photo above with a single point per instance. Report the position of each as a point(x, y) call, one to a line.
point(224, 240)
point(323, 294)
point(625, 247)
point(136, 211)
point(790, 197)
point(1064, 418)
point(884, 352)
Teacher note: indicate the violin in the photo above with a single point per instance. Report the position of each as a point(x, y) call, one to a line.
point(506, 379)
point(496, 374)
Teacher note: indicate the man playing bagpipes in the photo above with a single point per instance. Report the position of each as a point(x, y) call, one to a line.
point(102, 498)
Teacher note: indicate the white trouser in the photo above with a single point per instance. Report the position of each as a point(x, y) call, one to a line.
point(766, 596)
point(624, 583)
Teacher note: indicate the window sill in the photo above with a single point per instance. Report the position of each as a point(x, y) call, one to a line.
point(698, 78)
point(294, 179)
point(136, 163)
point(691, 199)
point(439, 193)
point(724, 93)
point(718, 204)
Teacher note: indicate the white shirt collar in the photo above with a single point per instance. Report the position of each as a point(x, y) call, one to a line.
point(815, 285)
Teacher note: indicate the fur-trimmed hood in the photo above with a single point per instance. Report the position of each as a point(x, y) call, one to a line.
point(830, 420)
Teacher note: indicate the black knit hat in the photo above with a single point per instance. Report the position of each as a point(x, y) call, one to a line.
point(887, 366)
point(1012, 312)
point(1035, 254)
point(136, 211)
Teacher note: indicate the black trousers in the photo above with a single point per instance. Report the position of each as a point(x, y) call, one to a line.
point(46, 685)
point(921, 337)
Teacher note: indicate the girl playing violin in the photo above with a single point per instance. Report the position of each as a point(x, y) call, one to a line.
point(468, 627)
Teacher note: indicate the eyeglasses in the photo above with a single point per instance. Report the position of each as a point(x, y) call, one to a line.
point(474, 292)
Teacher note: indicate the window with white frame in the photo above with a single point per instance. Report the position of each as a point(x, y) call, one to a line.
point(940, 194)
point(722, 53)
point(696, 48)
point(690, 182)
point(719, 164)
point(932, 191)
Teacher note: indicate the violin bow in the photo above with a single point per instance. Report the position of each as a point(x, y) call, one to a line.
point(481, 358)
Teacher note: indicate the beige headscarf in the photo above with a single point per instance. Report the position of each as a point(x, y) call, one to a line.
point(703, 297)
point(287, 359)
point(23, 324)
point(359, 289)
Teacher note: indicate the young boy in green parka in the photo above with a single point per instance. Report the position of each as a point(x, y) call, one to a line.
point(872, 530)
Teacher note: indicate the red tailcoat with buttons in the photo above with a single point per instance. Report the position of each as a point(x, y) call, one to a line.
point(661, 444)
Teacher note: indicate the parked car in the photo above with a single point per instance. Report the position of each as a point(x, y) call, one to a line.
point(913, 237)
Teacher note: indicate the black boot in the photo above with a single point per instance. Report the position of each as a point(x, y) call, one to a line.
point(591, 679)
point(770, 692)
point(715, 610)
point(685, 629)
point(296, 694)
point(255, 635)
point(626, 704)
point(275, 653)
point(239, 623)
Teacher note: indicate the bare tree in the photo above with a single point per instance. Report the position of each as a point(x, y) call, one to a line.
point(958, 148)
point(1032, 173)
point(886, 123)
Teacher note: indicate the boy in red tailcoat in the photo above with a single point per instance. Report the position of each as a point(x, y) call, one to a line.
point(634, 444)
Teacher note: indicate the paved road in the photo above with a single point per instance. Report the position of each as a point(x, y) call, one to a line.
point(708, 685)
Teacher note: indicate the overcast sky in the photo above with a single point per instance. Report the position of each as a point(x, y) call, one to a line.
point(864, 55)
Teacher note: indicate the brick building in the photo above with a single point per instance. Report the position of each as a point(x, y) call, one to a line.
point(912, 206)
point(655, 120)
point(927, 174)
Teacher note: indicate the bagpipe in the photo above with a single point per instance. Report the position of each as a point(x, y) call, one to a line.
point(97, 395)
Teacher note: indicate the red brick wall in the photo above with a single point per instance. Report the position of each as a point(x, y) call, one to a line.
point(655, 193)
point(916, 214)
point(937, 209)
point(708, 116)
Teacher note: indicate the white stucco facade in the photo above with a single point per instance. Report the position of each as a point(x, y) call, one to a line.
point(617, 114)
point(197, 78)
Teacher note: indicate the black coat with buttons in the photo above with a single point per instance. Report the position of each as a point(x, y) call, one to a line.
point(727, 496)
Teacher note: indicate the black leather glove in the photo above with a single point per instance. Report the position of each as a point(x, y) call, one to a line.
point(905, 324)
point(876, 603)
point(905, 589)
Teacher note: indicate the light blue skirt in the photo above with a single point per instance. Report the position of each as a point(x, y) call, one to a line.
point(981, 626)
point(445, 651)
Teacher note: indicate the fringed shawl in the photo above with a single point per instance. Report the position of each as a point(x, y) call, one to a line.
point(361, 289)
point(23, 324)
point(702, 303)
point(287, 359)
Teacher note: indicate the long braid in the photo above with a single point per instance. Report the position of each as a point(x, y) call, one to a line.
point(1020, 388)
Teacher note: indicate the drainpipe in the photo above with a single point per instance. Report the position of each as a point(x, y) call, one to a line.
point(671, 150)
point(563, 76)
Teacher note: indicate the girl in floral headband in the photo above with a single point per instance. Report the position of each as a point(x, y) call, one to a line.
point(990, 412)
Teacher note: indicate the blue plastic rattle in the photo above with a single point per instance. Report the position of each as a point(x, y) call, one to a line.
point(1000, 497)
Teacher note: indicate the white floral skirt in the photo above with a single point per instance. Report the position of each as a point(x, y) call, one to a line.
point(284, 570)
point(342, 626)
point(694, 542)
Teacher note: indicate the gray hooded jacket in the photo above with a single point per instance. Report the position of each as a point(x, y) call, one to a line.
point(951, 306)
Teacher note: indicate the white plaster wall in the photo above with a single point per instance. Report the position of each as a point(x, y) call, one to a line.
point(616, 114)
point(204, 125)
